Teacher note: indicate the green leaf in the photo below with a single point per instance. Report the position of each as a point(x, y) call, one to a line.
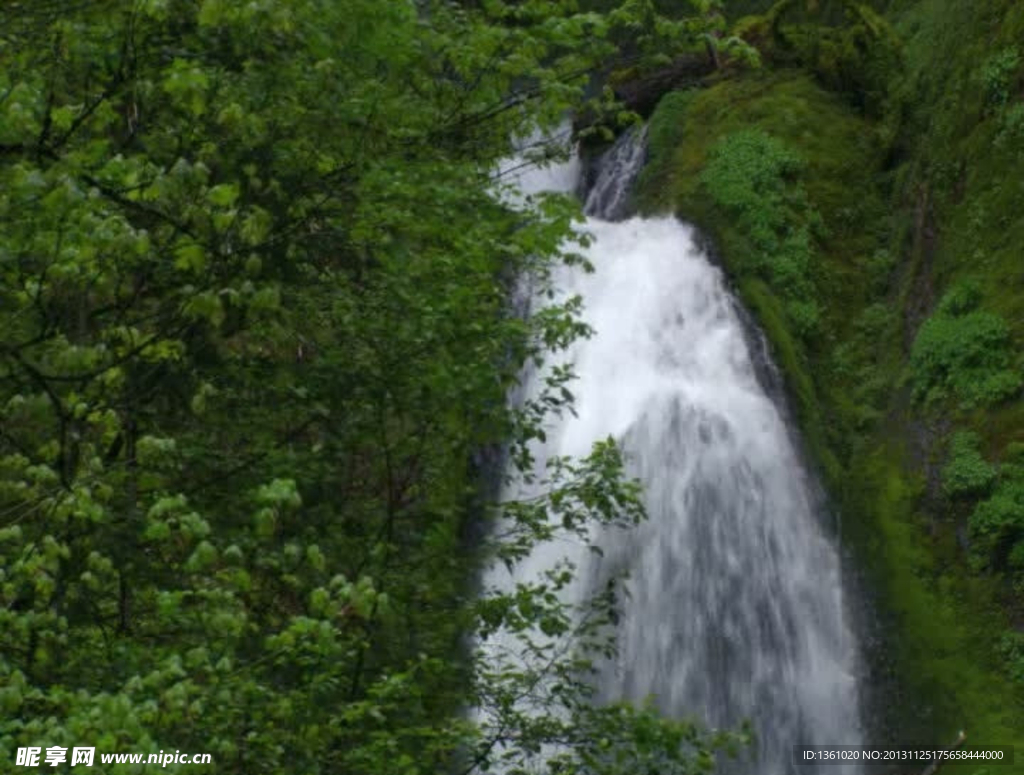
point(190, 257)
point(224, 195)
point(205, 306)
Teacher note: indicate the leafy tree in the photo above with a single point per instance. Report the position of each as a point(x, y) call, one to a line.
point(254, 328)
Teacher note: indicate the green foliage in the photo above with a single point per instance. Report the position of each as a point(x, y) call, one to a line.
point(537, 710)
point(998, 73)
point(751, 176)
point(254, 273)
point(653, 33)
point(966, 472)
point(955, 125)
point(964, 354)
point(1011, 649)
point(880, 266)
point(1011, 130)
point(848, 46)
point(962, 298)
point(855, 361)
point(845, 218)
point(665, 131)
point(747, 173)
point(997, 524)
point(896, 229)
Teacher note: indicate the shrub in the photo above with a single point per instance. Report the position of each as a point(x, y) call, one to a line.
point(874, 322)
point(805, 314)
point(997, 524)
point(880, 266)
point(963, 353)
point(966, 472)
point(1016, 558)
point(997, 75)
point(1011, 127)
point(1011, 649)
point(961, 299)
point(747, 174)
point(751, 176)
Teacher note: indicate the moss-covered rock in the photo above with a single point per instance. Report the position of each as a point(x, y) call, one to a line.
point(798, 220)
point(809, 200)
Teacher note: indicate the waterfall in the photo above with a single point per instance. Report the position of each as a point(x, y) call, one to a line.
point(735, 609)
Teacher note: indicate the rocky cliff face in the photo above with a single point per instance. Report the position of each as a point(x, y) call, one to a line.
point(864, 193)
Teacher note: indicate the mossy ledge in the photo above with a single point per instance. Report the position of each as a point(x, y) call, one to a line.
point(823, 191)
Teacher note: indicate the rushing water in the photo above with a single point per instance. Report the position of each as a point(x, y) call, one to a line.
point(735, 608)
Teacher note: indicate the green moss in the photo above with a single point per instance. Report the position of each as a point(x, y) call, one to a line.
point(823, 195)
point(958, 100)
point(663, 137)
point(948, 625)
point(871, 265)
point(998, 73)
point(751, 176)
point(787, 353)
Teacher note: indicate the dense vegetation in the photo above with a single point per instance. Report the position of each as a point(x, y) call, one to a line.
point(864, 191)
point(255, 346)
point(256, 341)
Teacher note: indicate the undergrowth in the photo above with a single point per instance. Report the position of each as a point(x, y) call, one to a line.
point(754, 177)
point(789, 180)
point(963, 353)
point(966, 473)
point(997, 523)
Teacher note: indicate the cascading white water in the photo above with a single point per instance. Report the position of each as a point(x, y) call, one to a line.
point(735, 609)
